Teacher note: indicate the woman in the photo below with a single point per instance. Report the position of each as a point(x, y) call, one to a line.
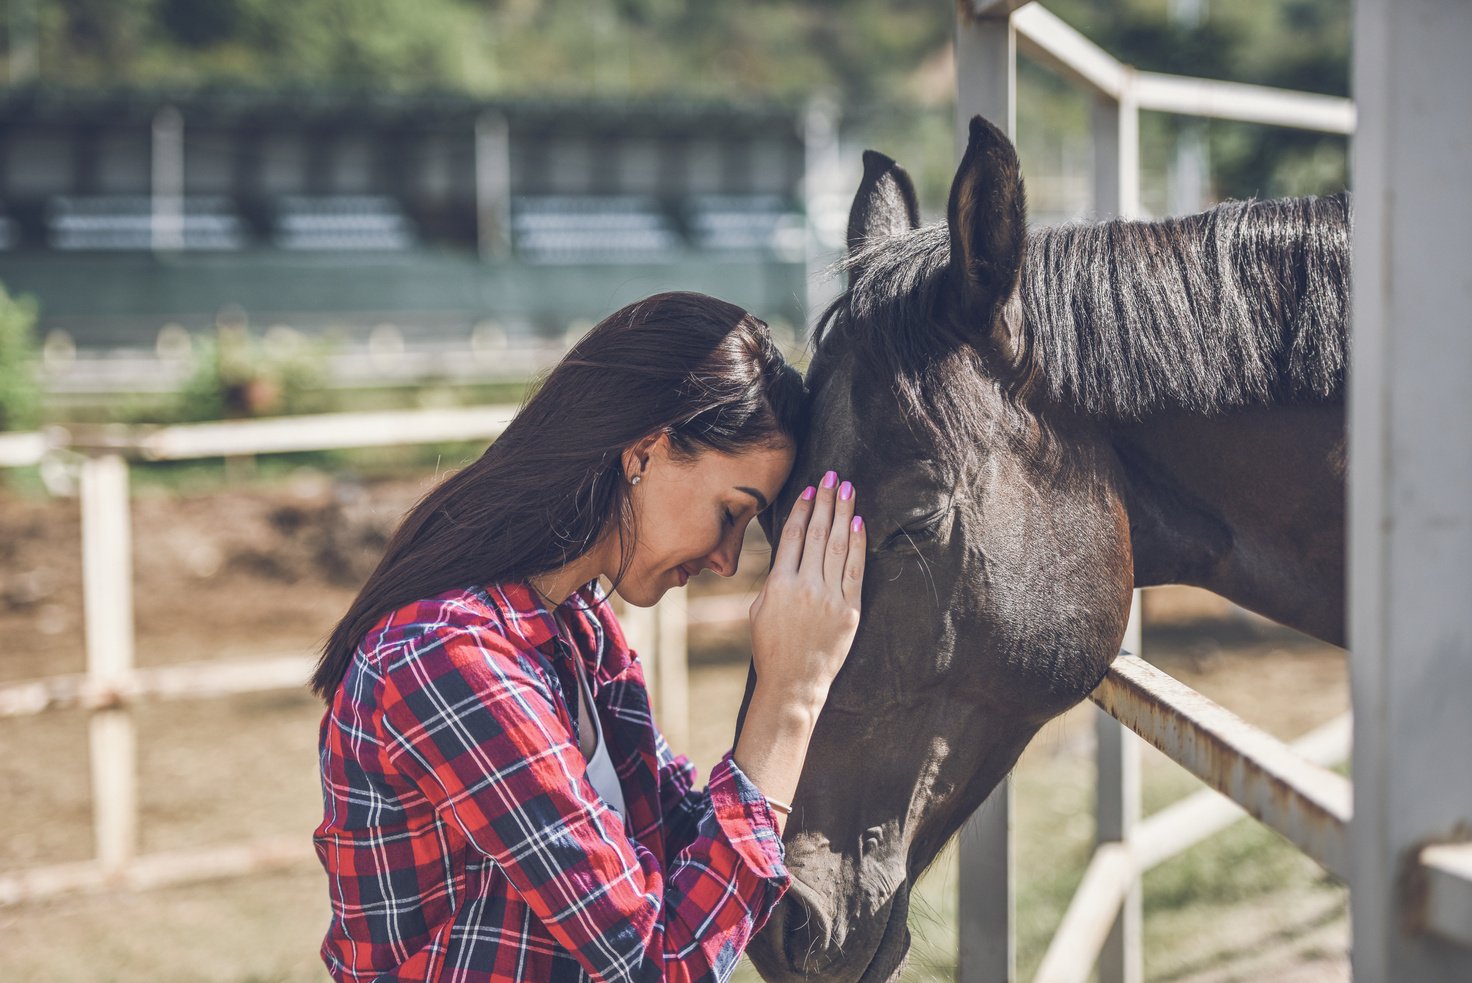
point(498, 803)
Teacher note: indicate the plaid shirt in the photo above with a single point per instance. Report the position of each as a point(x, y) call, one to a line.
point(463, 841)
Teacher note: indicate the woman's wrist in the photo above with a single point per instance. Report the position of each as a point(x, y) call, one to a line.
point(774, 738)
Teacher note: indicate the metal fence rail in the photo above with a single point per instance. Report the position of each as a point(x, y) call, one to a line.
point(113, 684)
point(1401, 929)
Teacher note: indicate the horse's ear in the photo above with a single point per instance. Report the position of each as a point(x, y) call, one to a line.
point(988, 221)
point(885, 205)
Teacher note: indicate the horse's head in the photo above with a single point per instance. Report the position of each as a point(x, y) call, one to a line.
point(999, 573)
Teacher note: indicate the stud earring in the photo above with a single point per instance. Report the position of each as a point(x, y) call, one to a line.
point(636, 479)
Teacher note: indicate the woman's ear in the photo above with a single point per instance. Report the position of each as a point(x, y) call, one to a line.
point(643, 453)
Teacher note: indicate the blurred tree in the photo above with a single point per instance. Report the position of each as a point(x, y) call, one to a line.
point(20, 390)
point(868, 52)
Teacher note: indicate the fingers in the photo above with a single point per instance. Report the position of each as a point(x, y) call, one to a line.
point(789, 548)
point(853, 567)
point(836, 553)
point(820, 527)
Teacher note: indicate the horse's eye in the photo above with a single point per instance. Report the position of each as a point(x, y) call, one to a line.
point(917, 532)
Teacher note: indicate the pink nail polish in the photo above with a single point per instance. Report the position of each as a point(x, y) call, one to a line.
point(857, 525)
point(808, 493)
point(845, 491)
point(830, 479)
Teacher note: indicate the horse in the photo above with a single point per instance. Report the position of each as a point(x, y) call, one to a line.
point(1037, 422)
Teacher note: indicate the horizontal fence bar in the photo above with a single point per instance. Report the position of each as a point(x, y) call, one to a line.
point(1201, 815)
point(1246, 103)
point(1445, 891)
point(205, 680)
point(1049, 40)
point(156, 869)
point(200, 680)
point(143, 373)
point(328, 431)
point(1306, 803)
point(22, 450)
point(1162, 835)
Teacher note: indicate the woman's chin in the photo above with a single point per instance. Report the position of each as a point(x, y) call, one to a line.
point(641, 595)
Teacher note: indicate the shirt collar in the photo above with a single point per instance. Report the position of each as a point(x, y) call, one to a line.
point(528, 617)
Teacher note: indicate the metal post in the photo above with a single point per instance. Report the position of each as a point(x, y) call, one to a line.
point(824, 206)
point(1117, 193)
point(107, 599)
point(1116, 128)
point(1189, 170)
point(986, 84)
point(492, 186)
point(986, 74)
point(1410, 490)
point(168, 180)
point(1118, 805)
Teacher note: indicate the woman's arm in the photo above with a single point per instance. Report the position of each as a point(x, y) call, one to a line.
point(802, 625)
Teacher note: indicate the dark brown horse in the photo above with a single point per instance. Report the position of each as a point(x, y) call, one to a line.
point(1036, 423)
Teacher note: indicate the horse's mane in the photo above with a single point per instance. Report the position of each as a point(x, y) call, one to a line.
point(1245, 304)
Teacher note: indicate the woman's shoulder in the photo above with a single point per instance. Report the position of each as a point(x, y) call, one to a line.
point(498, 614)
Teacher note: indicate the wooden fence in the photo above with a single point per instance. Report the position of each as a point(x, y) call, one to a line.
point(112, 683)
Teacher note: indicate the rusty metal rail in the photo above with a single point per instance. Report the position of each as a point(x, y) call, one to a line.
point(1305, 802)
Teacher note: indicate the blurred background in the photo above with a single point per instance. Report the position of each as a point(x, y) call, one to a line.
point(238, 209)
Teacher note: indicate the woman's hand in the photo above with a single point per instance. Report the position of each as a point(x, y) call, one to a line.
point(804, 620)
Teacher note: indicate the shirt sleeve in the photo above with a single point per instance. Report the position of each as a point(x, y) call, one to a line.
point(474, 725)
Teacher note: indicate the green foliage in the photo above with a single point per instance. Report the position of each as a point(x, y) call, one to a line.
point(884, 61)
point(236, 375)
point(20, 391)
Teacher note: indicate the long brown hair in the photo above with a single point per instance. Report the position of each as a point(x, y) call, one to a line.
point(698, 369)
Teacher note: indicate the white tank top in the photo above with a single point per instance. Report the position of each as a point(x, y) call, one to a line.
point(600, 766)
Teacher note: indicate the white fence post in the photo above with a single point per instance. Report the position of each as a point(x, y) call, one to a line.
point(492, 186)
point(986, 83)
point(167, 180)
point(107, 597)
point(1116, 135)
point(1410, 491)
point(1117, 799)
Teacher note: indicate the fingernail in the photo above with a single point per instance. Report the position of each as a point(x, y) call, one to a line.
point(845, 491)
point(808, 493)
point(857, 525)
point(830, 479)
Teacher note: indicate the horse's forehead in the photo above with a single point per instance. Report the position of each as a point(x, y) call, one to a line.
point(836, 422)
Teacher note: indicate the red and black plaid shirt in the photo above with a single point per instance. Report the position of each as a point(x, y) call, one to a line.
point(463, 841)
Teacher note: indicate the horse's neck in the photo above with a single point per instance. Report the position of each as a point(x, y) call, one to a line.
point(1249, 504)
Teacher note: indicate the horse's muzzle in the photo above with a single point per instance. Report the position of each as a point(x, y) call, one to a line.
point(801, 942)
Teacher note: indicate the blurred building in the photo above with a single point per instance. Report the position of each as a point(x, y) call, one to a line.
point(123, 213)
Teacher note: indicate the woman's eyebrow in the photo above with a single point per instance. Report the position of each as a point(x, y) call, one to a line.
point(761, 500)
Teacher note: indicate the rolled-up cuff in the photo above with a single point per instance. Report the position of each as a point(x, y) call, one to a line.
point(743, 814)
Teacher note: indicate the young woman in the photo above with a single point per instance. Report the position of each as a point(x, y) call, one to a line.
point(498, 804)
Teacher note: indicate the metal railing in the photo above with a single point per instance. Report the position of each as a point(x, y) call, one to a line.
point(1287, 788)
point(113, 684)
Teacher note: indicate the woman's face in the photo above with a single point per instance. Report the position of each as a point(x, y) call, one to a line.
point(690, 514)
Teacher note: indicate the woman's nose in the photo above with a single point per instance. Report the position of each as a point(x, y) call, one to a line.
point(725, 560)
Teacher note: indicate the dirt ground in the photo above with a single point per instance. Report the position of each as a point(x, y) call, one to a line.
point(265, 570)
